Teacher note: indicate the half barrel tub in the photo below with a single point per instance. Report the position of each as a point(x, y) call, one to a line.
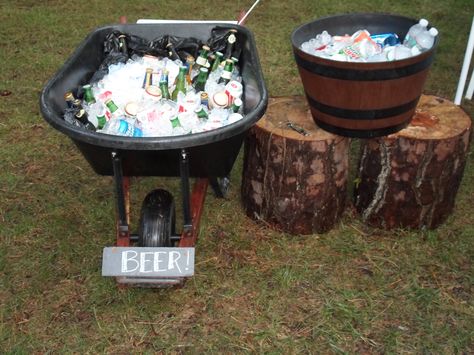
point(357, 99)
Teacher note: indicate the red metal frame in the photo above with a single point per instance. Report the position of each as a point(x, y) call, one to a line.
point(123, 236)
point(189, 236)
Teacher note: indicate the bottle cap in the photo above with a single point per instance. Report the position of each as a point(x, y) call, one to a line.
point(423, 22)
point(237, 102)
point(433, 31)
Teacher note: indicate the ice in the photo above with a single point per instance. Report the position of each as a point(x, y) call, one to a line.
point(361, 46)
point(154, 118)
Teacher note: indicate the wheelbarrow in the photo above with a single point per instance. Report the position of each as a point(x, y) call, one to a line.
point(158, 255)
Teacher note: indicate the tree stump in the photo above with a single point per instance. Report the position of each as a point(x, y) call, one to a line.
point(295, 182)
point(410, 178)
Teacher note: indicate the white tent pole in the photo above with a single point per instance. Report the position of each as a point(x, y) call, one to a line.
point(465, 66)
point(470, 88)
point(248, 12)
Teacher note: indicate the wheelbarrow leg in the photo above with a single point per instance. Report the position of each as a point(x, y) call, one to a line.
point(122, 196)
point(184, 172)
point(193, 204)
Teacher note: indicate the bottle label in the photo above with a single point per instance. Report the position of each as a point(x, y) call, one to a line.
point(410, 41)
point(124, 128)
point(226, 74)
point(201, 61)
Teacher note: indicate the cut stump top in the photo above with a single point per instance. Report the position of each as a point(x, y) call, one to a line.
point(436, 119)
point(295, 110)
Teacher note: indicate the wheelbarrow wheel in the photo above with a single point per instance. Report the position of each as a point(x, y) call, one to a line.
point(220, 186)
point(157, 219)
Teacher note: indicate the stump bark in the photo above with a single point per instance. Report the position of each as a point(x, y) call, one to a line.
point(295, 182)
point(410, 178)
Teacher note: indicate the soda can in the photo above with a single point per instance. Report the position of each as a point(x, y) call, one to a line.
point(233, 90)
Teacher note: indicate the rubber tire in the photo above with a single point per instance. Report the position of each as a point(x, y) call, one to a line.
point(157, 219)
point(220, 186)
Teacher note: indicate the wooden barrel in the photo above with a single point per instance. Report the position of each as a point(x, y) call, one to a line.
point(357, 99)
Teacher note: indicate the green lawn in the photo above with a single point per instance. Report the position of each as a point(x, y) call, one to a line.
point(353, 290)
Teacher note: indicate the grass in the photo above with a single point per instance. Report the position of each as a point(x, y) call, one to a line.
point(354, 289)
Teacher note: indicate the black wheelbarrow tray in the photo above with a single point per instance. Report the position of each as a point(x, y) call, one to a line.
point(163, 257)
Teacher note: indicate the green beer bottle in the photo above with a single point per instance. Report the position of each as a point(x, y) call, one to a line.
point(231, 39)
point(227, 72)
point(88, 96)
point(172, 54)
point(200, 81)
point(101, 120)
point(165, 93)
point(113, 108)
point(201, 113)
point(180, 83)
point(123, 44)
point(201, 61)
point(217, 61)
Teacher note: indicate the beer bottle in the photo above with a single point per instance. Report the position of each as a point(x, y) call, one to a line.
point(235, 107)
point(189, 64)
point(217, 61)
point(210, 60)
point(88, 96)
point(101, 120)
point(231, 39)
point(180, 83)
point(147, 80)
point(113, 108)
point(201, 113)
point(69, 98)
point(200, 82)
point(201, 60)
point(227, 72)
point(175, 122)
point(172, 54)
point(164, 85)
point(165, 93)
point(81, 116)
point(123, 44)
point(77, 104)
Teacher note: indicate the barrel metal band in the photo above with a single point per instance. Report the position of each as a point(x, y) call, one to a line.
point(363, 75)
point(362, 133)
point(362, 114)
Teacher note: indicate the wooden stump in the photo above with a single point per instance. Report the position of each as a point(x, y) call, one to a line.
point(410, 179)
point(296, 183)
